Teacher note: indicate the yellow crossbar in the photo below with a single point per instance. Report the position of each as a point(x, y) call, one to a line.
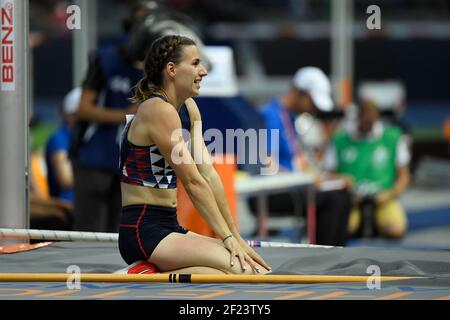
point(189, 278)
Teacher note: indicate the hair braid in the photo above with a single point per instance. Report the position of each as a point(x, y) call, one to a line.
point(162, 51)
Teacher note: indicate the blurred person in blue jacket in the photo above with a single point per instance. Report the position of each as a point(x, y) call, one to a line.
point(59, 166)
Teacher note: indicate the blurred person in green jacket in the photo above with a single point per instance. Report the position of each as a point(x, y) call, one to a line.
point(374, 158)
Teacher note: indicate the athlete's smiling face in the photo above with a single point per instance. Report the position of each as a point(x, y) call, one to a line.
point(190, 71)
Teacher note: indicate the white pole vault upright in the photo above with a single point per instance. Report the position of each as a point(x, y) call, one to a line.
point(14, 105)
point(84, 39)
point(342, 50)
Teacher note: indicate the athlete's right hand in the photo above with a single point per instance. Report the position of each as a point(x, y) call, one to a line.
point(236, 250)
point(254, 255)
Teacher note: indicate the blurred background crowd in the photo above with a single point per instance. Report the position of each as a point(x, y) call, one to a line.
point(400, 104)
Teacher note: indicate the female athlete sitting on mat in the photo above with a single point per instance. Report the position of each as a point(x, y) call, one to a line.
point(154, 154)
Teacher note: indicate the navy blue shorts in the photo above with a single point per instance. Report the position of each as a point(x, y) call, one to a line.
point(142, 227)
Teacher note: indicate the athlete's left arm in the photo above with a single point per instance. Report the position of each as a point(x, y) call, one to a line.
point(205, 166)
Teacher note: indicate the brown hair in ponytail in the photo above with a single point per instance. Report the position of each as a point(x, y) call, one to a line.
point(162, 51)
point(141, 92)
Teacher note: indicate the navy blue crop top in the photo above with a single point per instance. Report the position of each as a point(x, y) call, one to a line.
point(144, 165)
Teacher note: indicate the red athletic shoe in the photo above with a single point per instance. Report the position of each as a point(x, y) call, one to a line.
point(139, 267)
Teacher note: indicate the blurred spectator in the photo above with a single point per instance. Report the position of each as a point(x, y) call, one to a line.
point(310, 93)
point(48, 19)
point(390, 98)
point(49, 213)
point(138, 11)
point(374, 158)
point(59, 167)
point(46, 212)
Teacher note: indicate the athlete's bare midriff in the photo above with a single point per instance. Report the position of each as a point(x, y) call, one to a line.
point(134, 194)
